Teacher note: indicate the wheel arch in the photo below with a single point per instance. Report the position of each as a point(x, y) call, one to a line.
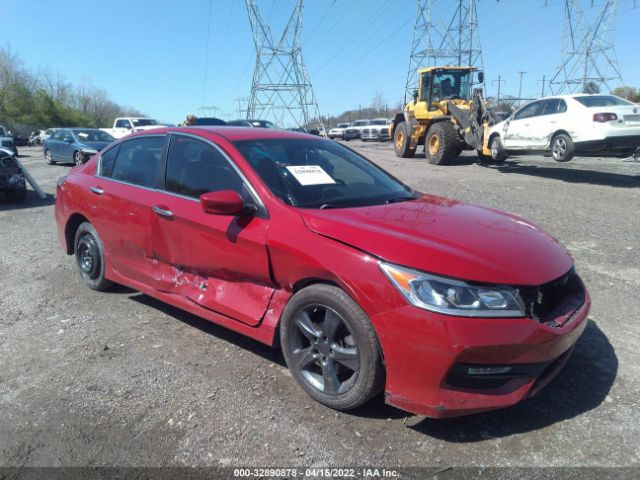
point(307, 282)
point(70, 229)
point(558, 132)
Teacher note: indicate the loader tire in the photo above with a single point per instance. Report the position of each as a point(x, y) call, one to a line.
point(441, 143)
point(402, 141)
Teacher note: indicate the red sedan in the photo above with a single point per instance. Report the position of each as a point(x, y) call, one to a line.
point(366, 284)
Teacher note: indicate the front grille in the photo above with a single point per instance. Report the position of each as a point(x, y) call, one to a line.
point(552, 300)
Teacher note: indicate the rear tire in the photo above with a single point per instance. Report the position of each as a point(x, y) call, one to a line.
point(562, 149)
point(441, 143)
point(48, 157)
point(331, 347)
point(89, 253)
point(402, 141)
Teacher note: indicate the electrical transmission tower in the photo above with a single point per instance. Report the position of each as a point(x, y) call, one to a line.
point(588, 55)
point(281, 90)
point(436, 43)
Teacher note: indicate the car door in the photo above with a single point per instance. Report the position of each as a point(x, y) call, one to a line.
point(67, 146)
point(517, 131)
point(54, 144)
point(546, 123)
point(219, 262)
point(123, 193)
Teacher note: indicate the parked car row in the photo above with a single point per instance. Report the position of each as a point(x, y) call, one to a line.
point(376, 129)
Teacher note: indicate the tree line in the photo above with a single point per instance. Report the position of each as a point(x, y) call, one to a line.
point(44, 99)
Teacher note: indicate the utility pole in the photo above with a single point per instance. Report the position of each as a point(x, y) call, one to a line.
point(544, 81)
point(520, 89)
point(588, 50)
point(437, 43)
point(499, 83)
point(281, 89)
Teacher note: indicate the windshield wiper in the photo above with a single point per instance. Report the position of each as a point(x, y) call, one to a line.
point(330, 205)
point(398, 199)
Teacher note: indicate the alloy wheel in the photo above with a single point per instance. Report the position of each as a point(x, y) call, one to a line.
point(78, 158)
point(559, 148)
point(324, 350)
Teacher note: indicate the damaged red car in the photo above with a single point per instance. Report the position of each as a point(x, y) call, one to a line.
point(301, 243)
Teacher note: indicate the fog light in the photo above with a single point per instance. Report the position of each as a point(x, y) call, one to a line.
point(487, 370)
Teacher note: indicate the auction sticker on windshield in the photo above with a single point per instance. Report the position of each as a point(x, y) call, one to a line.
point(310, 175)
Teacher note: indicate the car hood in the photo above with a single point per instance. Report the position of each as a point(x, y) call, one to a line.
point(450, 238)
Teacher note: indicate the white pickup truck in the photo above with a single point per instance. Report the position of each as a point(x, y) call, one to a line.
point(125, 125)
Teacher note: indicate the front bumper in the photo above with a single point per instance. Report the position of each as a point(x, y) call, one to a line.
point(351, 135)
point(428, 357)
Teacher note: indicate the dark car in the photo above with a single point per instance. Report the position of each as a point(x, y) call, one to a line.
point(301, 243)
point(210, 121)
point(12, 182)
point(74, 145)
point(252, 123)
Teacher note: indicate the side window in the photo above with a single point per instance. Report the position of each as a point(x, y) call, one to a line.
point(122, 123)
point(137, 161)
point(107, 160)
point(195, 167)
point(66, 136)
point(550, 107)
point(57, 135)
point(528, 111)
point(562, 107)
point(426, 85)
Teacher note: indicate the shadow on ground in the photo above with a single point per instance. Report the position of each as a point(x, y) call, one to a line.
point(580, 387)
point(272, 354)
point(32, 201)
point(568, 174)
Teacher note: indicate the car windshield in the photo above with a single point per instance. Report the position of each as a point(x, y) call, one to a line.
point(592, 101)
point(93, 136)
point(447, 84)
point(360, 123)
point(143, 122)
point(343, 125)
point(321, 174)
point(378, 122)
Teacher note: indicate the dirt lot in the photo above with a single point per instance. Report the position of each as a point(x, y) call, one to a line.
point(91, 378)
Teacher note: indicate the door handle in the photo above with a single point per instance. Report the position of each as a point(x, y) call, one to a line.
point(96, 190)
point(163, 212)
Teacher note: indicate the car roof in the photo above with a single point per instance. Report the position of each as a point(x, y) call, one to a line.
point(231, 133)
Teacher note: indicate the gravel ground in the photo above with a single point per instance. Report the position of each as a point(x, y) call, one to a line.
point(118, 378)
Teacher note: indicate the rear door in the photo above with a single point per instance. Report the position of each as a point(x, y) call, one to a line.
point(517, 132)
point(54, 145)
point(219, 262)
point(123, 193)
point(550, 119)
point(66, 146)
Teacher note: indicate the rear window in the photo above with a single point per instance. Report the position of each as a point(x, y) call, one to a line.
point(138, 160)
point(593, 101)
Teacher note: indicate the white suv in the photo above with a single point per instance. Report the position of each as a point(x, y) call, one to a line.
point(338, 130)
point(378, 129)
point(568, 124)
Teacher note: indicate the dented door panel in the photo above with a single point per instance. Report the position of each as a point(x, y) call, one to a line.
point(219, 262)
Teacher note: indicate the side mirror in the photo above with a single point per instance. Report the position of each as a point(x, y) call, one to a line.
point(225, 202)
point(480, 77)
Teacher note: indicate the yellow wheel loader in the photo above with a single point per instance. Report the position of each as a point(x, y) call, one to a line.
point(445, 116)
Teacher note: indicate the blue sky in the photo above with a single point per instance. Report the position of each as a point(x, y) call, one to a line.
point(152, 54)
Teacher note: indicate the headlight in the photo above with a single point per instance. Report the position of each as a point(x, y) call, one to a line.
point(454, 297)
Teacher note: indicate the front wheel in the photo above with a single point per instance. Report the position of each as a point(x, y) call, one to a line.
point(78, 158)
point(331, 348)
point(562, 149)
point(497, 150)
point(90, 257)
point(402, 141)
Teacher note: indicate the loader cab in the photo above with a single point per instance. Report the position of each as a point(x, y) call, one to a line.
point(437, 84)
